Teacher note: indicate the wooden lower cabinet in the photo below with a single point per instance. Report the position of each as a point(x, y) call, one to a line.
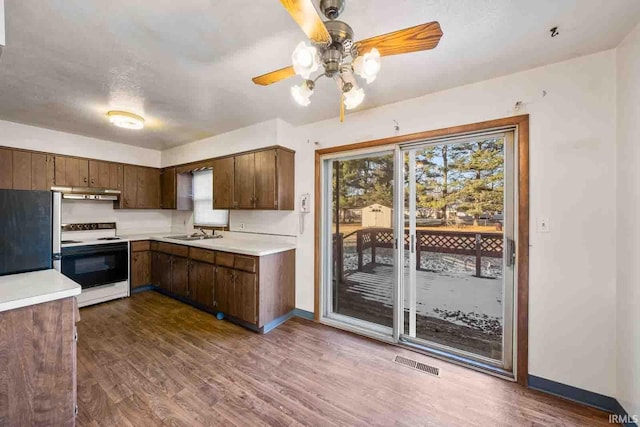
point(224, 289)
point(161, 273)
point(253, 290)
point(38, 364)
point(245, 297)
point(140, 269)
point(201, 282)
point(180, 276)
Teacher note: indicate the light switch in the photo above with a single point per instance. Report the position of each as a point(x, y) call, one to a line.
point(543, 225)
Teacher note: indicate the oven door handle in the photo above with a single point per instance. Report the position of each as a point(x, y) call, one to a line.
point(92, 250)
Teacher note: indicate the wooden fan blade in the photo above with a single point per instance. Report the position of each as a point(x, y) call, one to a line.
point(341, 108)
point(414, 39)
point(274, 76)
point(305, 14)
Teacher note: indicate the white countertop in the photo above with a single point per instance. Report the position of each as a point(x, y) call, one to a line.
point(25, 289)
point(240, 243)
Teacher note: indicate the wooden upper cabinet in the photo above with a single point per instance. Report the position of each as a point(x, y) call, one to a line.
point(6, 168)
point(130, 187)
point(286, 175)
point(42, 171)
point(99, 174)
point(223, 183)
point(245, 181)
point(116, 176)
point(21, 170)
point(168, 188)
point(265, 180)
point(148, 196)
point(71, 171)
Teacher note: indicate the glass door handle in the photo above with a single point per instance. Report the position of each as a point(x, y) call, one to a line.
point(511, 253)
point(413, 243)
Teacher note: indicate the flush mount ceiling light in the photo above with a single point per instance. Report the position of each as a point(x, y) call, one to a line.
point(126, 120)
point(342, 58)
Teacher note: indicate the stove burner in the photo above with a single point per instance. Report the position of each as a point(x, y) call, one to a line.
point(109, 238)
point(64, 242)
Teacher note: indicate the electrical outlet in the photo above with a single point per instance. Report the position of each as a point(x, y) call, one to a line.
point(543, 225)
point(242, 226)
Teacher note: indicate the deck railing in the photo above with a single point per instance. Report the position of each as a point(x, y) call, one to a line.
point(449, 242)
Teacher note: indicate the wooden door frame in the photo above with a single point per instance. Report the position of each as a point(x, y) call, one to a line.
point(521, 123)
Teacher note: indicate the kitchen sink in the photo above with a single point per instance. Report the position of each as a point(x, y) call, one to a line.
point(195, 236)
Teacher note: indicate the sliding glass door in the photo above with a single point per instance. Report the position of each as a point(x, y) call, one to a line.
point(359, 242)
point(458, 278)
point(417, 246)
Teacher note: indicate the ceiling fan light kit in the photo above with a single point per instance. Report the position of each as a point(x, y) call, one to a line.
point(341, 57)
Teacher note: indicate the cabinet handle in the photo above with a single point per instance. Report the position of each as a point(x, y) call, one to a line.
point(92, 181)
point(85, 179)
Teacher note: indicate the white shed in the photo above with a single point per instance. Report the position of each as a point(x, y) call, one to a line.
point(377, 215)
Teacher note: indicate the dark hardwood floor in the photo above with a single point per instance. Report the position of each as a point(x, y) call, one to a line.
point(149, 360)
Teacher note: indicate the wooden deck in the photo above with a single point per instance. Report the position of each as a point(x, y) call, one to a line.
point(151, 361)
point(368, 295)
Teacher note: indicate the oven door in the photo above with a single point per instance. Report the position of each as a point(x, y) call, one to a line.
point(96, 265)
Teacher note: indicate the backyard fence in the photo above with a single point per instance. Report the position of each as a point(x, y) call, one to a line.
point(448, 242)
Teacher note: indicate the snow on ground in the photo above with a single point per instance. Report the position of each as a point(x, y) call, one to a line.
point(448, 291)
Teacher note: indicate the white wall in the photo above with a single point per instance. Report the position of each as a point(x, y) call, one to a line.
point(628, 224)
point(51, 141)
point(127, 220)
point(572, 137)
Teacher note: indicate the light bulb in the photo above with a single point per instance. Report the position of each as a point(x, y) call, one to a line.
point(353, 98)
point(368, 65)
point(302, 92)
point(305, 59)
point(126, 120)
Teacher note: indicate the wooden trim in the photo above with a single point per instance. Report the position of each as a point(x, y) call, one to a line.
point(522, 251)
point(522, 254)
point(317, 238)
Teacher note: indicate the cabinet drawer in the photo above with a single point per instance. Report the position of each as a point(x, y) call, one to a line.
point(144, 245)
point(170, 248)
point(224, 259)
point(245, 263)
point(203, 255)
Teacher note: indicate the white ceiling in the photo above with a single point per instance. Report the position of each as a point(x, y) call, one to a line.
point(186, 66)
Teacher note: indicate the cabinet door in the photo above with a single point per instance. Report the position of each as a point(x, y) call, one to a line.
point(6, 168)
point(161, 273)
point(168, 188)
point(180, 276)
point(265, 180)
point(223, 182)
point(244, 181)
point(285, 173)
point(116, 176)
point(99, 174)
point(201, 282)
point(42, 171)
point(130, 184)
point(245, 297)
point(21, 170)
point(223, 289)
point(76, 172)
point(140, 269)
point(148, 192)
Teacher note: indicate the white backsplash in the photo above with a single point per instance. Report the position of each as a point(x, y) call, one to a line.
point(127, 220)
point(157, 220)
point(284, 223)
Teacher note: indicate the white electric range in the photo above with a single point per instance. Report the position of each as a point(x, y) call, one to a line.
point(93, 256)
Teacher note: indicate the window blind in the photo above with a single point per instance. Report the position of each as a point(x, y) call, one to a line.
point(203, 214)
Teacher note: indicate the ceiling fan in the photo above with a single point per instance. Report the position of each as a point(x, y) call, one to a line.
point(333, 47)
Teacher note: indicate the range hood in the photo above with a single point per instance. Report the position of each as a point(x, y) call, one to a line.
point(87, 193)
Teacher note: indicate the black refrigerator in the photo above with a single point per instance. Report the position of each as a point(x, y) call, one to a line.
point(29, 241)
